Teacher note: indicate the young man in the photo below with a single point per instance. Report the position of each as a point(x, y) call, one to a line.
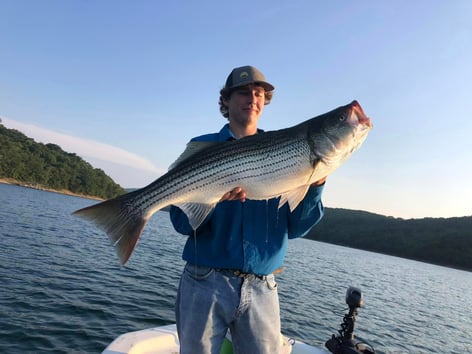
point(228, 281)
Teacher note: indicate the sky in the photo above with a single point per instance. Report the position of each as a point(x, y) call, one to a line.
point(126, 84)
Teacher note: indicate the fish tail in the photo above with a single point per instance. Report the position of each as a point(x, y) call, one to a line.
point(122, 224)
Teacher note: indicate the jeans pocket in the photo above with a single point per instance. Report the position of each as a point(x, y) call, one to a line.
point(271, 283)
point(198, 272)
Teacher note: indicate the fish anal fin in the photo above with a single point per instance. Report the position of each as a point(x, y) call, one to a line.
point(191, 149)
point(294, 197)
point(196, 212)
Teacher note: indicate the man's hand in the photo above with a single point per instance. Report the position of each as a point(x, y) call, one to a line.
point(235, 194)
point(319, 182)
point(239, 194)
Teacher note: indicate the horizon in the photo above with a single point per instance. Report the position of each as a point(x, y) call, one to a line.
point(126, 85)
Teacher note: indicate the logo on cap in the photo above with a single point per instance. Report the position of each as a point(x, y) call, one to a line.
point(243, 75)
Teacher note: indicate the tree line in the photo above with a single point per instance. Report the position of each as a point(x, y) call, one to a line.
point(441, 241)
point(48, 166)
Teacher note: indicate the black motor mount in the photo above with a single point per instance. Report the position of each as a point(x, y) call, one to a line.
point(345, 343)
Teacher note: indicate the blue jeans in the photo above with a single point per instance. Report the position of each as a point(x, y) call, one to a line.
point(209, 302)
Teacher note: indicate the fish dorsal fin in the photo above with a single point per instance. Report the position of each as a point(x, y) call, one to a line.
point(294, 197)
point(196, 212)
point(191, 149)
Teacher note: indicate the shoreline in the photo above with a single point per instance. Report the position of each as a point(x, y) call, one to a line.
point(41, 188)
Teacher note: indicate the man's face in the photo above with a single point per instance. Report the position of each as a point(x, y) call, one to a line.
point(246, 104)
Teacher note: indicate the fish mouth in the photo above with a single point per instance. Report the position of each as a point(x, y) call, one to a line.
point(359, 113)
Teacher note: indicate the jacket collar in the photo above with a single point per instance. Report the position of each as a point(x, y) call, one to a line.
point(225, 133)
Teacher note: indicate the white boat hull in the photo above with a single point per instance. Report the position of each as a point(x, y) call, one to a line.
point(164, 340)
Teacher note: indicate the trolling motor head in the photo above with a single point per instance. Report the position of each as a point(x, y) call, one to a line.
point(344, 343)
point(354, 297)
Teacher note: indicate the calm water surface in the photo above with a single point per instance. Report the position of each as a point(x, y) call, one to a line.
point(63, 291)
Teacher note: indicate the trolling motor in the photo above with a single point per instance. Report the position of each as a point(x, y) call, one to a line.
point(345, 343)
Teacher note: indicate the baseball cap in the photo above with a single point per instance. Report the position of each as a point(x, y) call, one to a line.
point(246, 75)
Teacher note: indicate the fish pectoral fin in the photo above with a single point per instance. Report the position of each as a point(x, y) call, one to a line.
point(293, 197)
point(192, 148)
point(196, 212)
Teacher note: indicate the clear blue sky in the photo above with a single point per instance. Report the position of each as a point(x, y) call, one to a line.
point(125, 85)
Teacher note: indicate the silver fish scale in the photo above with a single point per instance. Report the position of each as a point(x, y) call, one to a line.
point(278, 159)
point(228, 163)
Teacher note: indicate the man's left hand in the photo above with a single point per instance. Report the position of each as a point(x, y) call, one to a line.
point(319, 182)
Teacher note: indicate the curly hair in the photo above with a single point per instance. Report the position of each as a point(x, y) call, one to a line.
point(225, 94)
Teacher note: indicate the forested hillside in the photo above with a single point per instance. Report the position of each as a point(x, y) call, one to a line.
point(48, 166)
point(442, 241)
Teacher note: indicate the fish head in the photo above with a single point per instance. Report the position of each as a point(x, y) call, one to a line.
point(335, 135)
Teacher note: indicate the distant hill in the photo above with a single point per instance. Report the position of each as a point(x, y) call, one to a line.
point(47, 166)
point(441, 241)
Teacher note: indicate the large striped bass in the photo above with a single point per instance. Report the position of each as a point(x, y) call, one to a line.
point(281, 163)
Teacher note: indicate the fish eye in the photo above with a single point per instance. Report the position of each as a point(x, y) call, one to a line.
point(343, 117)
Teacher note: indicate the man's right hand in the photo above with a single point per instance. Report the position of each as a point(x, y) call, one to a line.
point(235, 194)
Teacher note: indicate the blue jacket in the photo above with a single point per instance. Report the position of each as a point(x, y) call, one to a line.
point(250, 236)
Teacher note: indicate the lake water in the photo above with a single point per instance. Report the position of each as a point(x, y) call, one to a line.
point(63, 291)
